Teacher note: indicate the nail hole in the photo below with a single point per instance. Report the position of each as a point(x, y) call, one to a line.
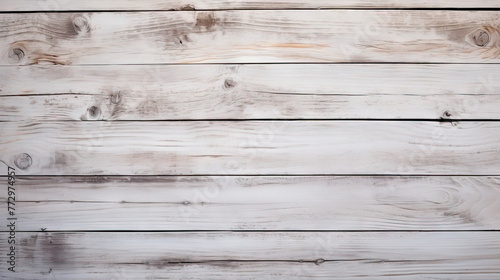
point(23, 161)
point(447, 114)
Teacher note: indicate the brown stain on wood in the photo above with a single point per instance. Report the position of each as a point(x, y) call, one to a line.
point(44, 58)
point(206, 20)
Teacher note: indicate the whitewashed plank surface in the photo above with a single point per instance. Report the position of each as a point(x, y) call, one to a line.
point(372, 255)
point(71, 5)
point(256, 203)
point(251, 147)
point(278, 270)
point(297, 91)
point(250, 37)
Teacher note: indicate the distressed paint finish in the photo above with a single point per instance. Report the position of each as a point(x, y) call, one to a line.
point(275, 255)
point(250, 37)
point(197, 92)
point(187, 5)
point(253, 147)
point(258, 203)
point(251, 139)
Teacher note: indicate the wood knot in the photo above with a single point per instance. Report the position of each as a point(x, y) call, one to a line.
point(94, 112)
point(16, 55)
point(81, 24)
point(480, 37)
point(23, 161)
point(116, 97)
point(447, 114)
point(229, 84)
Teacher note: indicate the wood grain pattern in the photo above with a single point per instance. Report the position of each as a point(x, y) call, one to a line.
point(249, 37)
point(305, 91)
point(220, 270)
point(257, 203)
point(68, 5)
point(251, 139)
point(436, 255)
point(253, 147)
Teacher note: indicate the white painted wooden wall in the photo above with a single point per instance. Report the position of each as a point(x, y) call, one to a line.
point(291, 139)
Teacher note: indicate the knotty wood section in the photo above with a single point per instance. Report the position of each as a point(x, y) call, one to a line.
point(284, 255)
point(304, 91)
point(114, 5)
point(257, 203)
point(250, 37)
point(252, 147)
point(251, 139)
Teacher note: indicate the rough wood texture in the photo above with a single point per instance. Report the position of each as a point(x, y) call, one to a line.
point(306, 91)
point(278, 270)
point(250, 37)
point(92, 5)
point(257, 203)
point(375, 255)
point(237, 104)
point(251, 147)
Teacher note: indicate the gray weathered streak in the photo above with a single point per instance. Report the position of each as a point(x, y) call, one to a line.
point(257, 203)
point(249, 37)
point(273, 255)
point(254, 147)
point(88, 90)
point(176, 92)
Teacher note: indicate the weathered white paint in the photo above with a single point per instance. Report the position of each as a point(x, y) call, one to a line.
point(257, 203)
point(250, 37)
point(42, 109)
point(312, 255)
point(311, 91)
point(69, 5)
point(252, 147)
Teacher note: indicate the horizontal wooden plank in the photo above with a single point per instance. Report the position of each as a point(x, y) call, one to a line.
point(356, 270)
point(256, 203)
point(114, 5)
point(375, 255)
point(297, 91)
point(251, 147)
point(247, 36)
